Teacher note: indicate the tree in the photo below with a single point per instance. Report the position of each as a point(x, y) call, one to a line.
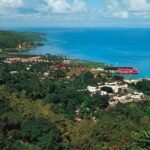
point(50, 141)
point(41, 132)
point(143, 86)
point(100, 101)
point(59, 74)
point(82, 136)
point(34, 128)
point(12, 144)
point(115, 131)
point(143, 139)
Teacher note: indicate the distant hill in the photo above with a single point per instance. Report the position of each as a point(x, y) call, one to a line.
point(20, 40)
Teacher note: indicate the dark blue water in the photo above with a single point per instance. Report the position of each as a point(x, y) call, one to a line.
point(119, 47)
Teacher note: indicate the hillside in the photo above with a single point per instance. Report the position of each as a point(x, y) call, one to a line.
point(44, 106)
point(13, 40)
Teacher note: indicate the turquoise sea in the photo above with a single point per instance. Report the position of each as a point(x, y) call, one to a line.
point(114, 46)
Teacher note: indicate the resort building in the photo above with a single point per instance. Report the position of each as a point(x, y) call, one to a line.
point(25, 59)
point(115, 86)
point(136, 96)
point(97, 69)
point(94, 90)
point(132, 81)
point(103, 89)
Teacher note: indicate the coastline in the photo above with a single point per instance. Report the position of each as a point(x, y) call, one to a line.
point(18, 49)
point(82, 62)
point(20, 41)
point(47, 49)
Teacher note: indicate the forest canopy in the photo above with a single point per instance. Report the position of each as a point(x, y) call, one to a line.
point(11, 39)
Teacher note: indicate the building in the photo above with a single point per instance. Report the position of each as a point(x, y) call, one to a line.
point(46, 74)
point(79, 69)
point(137, 95)
point(25, 59)
point(132, 81)
point(127, 71)
point(93, 90)
point(122, 70)
point(115, 86)
point(67, 61)
point(97, 69)
point(7, 61)
point(62, 65)
point(126, 98)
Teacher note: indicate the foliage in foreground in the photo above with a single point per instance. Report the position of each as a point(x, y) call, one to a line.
point(38, 114)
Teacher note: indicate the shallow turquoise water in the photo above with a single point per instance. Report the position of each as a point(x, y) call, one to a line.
point(119, 47)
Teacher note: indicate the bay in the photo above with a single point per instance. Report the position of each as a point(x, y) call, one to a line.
point(114, 46)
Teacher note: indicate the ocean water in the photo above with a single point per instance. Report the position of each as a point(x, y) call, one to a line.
point(117, 47)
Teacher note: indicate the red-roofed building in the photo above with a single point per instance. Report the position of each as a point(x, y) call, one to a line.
point(127, 71)
point(81, 69)
point(62, 65)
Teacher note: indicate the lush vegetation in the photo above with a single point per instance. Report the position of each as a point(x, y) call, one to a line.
point(88, 64)
point(11, 39)
point(39, 112)
point(143, 86)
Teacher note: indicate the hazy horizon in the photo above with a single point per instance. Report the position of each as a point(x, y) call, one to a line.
point(75, 13)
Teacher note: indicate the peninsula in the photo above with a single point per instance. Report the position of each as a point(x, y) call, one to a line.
point(15, 41)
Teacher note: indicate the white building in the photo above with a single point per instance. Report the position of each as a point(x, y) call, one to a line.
point(97, 69)
point(67, 61)
point(46, 74)
point(116, 87)
point(103, 93)
point(7, 62)
point(132, 81)
point(94, 90)
point(127, 98)
point(137, 95)
point(28, 68)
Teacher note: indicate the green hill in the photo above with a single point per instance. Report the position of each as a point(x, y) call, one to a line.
point(12, 40)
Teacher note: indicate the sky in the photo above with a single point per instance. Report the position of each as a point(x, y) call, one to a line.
point(74, 13)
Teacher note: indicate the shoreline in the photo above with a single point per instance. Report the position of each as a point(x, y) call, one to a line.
point(109, 53)
point(126, 76)
point(20, 41)
point(83, 61)
point(18, 49)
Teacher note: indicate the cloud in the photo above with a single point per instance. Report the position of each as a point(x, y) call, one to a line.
point(114, 9)
point(137, 5)
point(11, 3)
point(64, 6)
point(75, 12)
point(9, 7)
point(127, 8)
point(121, 14)
point(112, 4)
point(79, 6)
